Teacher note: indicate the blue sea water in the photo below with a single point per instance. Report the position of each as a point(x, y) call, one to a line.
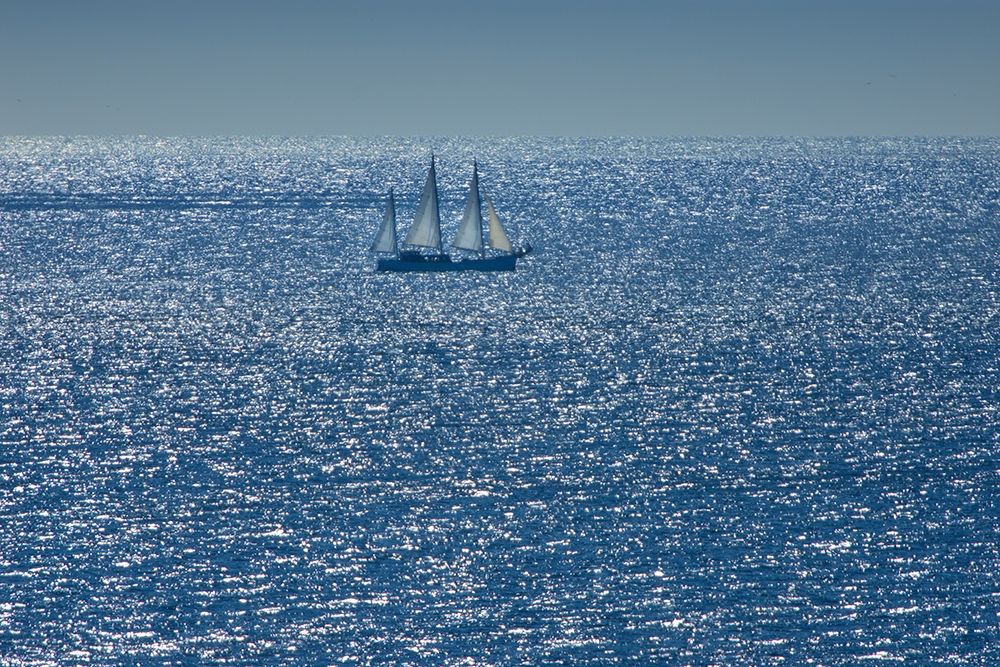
point(740, 406)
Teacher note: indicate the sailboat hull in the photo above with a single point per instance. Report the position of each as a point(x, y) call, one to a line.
point(443, 263)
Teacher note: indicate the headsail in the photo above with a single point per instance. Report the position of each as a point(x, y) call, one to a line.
point(426, 228)
point(498, 236)
point(470, 232)
point(385, 238)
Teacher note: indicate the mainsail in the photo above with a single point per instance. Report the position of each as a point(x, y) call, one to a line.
point(385, 239)
point(470, 231)
point(426, 229)
point(498, 236)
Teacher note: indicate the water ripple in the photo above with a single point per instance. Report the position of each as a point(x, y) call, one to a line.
point(740, 407)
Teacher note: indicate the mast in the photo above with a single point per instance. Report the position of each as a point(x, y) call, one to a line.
point(470, 231)
point(385, 237)
point(426, 228)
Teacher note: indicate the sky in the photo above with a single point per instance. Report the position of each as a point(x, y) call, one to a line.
point(500, 67)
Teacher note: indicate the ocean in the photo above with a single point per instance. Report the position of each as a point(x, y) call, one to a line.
point(741, 405)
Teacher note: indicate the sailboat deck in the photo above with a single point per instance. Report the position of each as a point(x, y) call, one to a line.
point(440, 263)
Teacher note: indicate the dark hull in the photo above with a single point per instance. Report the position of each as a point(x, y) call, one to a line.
point(442, 263)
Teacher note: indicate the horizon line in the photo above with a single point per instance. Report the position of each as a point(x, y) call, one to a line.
point(499, 136)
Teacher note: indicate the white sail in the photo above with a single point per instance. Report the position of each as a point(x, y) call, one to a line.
point(470, 232)
point(426, 228)
point(385, 239)
point(498, 235)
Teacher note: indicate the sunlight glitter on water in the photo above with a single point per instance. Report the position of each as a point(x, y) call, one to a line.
point(739, 407)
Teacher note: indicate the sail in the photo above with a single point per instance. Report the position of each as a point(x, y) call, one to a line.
point(470, 232)
point(498, 236)
point(426, 228)
point(385, 239)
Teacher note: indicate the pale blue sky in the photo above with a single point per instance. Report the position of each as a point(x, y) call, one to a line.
point(516, 67)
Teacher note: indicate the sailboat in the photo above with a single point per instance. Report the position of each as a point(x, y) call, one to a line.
point(425, 234)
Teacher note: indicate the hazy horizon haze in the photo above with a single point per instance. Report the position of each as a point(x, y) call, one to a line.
point(557, 68)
